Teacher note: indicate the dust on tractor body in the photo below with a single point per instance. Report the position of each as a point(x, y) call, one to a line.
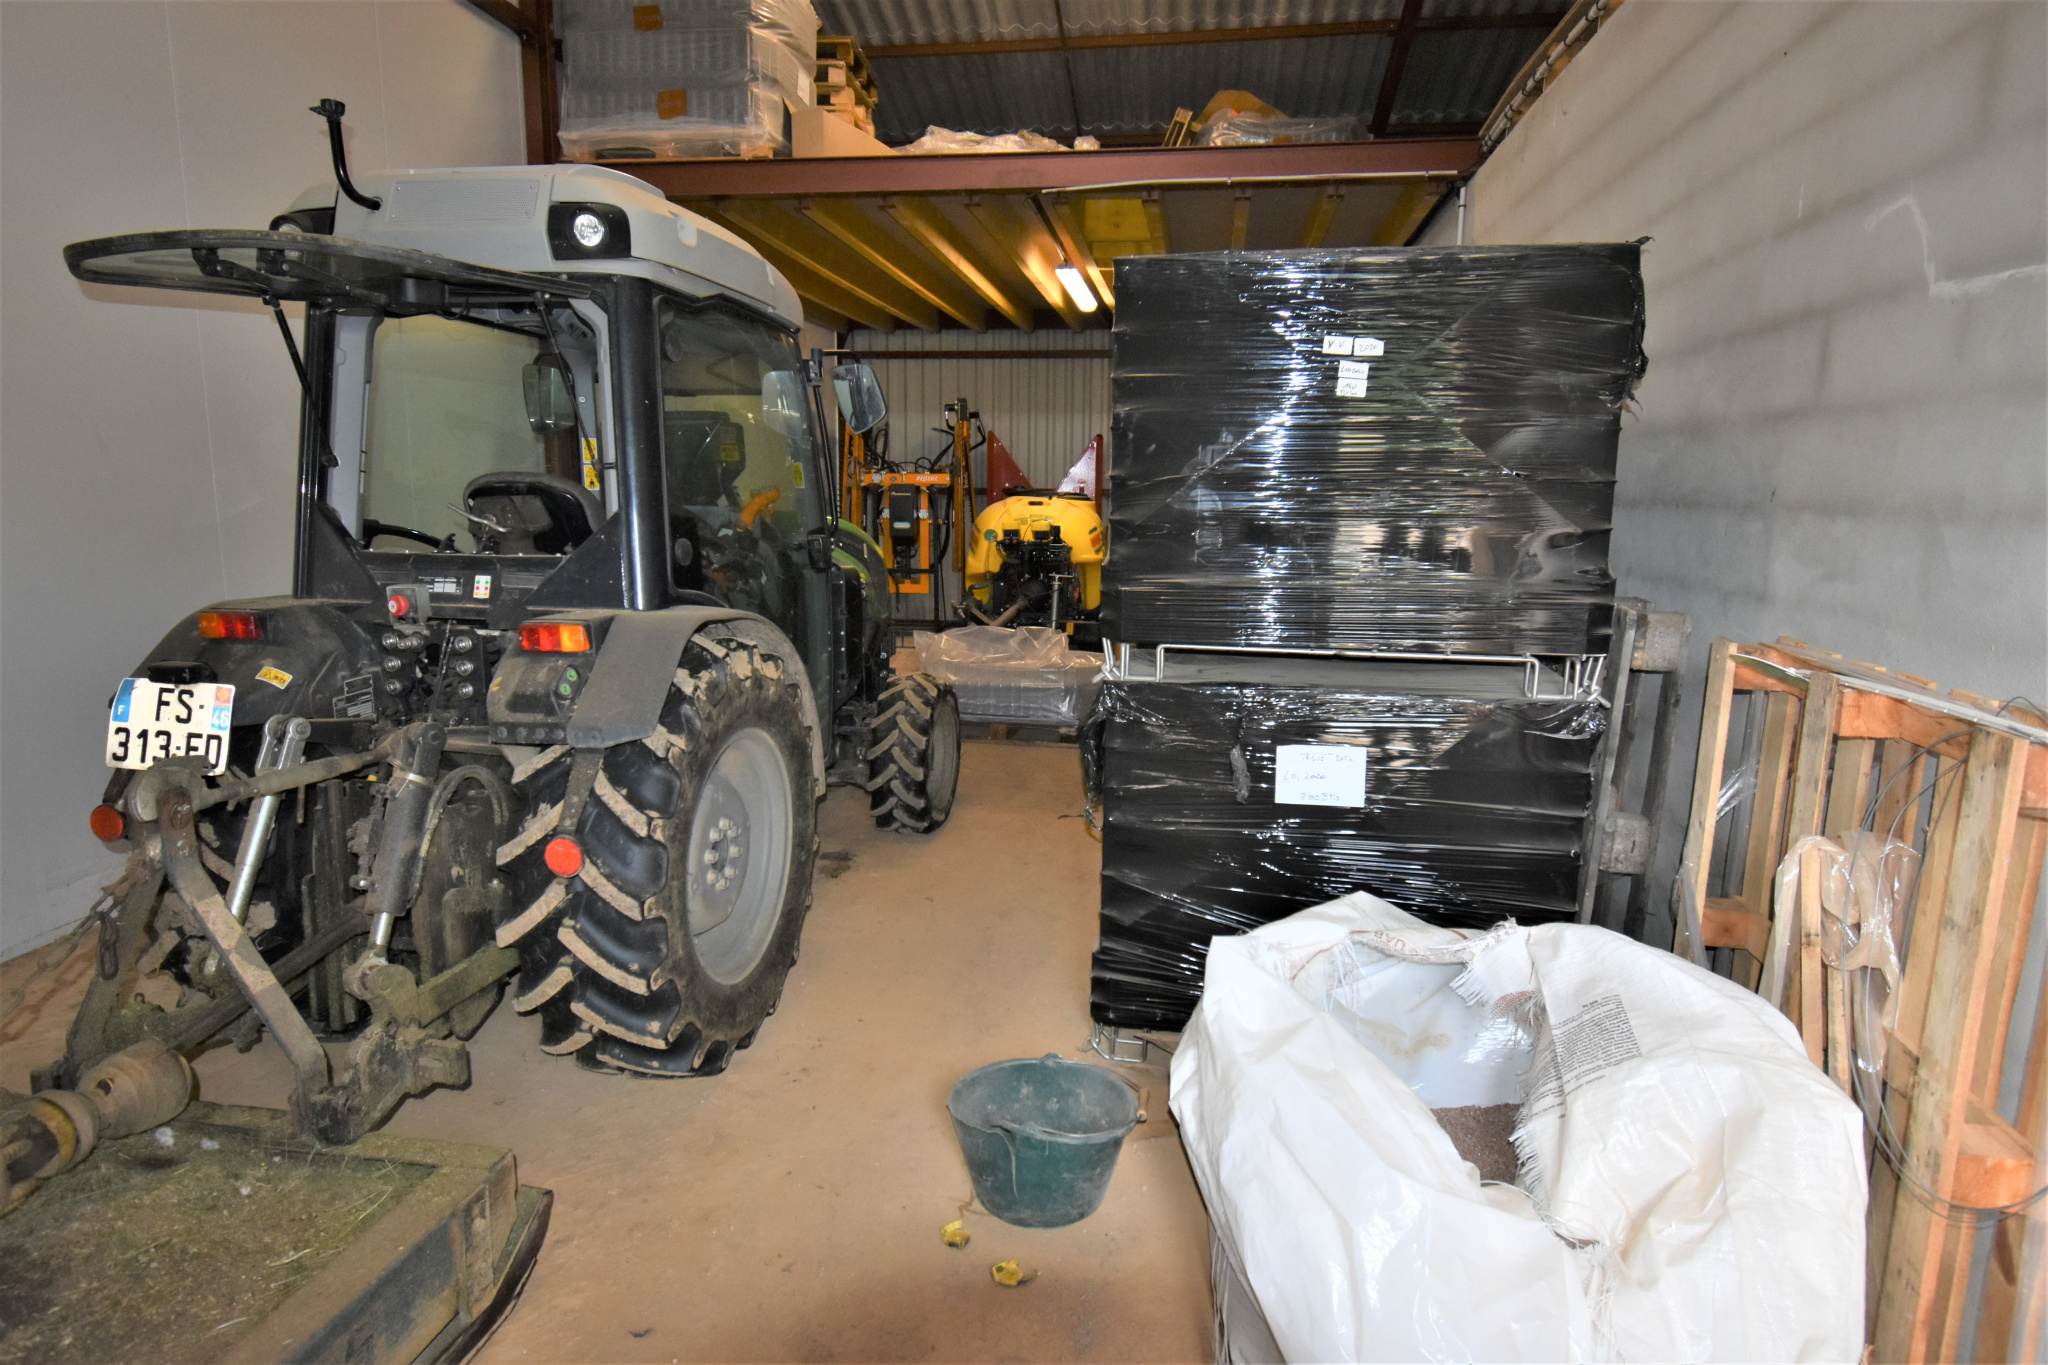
point(575, 641)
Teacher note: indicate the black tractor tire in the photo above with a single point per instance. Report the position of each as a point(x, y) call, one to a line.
point(664, 954)
point(913, 754)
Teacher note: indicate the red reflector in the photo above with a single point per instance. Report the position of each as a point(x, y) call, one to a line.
point(562, 856)
point(554, 637)
point(230, 625)
point(108, 823)
point(398, 604)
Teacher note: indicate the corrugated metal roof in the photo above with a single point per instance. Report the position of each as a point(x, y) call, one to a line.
point(888, 23)
point(1459, 9)
point(1457, 77)
point(1453, 76)
point(1132, 90)
point(1124, 90)
point(1025, 91)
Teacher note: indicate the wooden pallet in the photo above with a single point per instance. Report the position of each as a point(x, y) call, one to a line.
point(841, 63)
point(1837, 745)
point(845, 83)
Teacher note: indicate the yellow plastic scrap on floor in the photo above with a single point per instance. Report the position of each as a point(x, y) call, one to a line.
point(1009, 1274)
point(956, 1234)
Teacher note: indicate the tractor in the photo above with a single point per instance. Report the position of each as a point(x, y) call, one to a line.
point(575, 642)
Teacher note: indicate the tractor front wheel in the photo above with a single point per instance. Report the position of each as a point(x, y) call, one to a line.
point(914, 754)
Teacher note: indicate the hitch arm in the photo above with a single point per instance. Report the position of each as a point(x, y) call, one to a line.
point(146, 802)
point(191, 881)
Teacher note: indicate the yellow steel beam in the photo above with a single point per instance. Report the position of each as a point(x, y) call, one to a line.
point(1070, 227)
point(1321, 215)
point(1155, 219)
point(1240, 217)
point(766, 222)
point(1408, 212)
point(850, 223)
point(814, 288)
point(1031, 248)
point(935, 233)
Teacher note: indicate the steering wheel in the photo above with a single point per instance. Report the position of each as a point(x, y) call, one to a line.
point(373, 528)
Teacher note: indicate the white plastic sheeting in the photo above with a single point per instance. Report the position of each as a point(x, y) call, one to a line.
point(1692, 1188)
point(1025, 674)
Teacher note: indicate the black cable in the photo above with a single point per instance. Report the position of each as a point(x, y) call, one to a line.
point(547, 323)
point(291, 346)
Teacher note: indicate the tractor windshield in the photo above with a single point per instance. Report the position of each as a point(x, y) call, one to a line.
point(736, 448)
point(474, 432)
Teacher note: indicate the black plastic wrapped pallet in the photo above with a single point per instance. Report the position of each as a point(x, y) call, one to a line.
point(1454, 495)
point(1475, 811)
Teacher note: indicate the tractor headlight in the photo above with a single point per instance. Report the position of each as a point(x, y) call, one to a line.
point(581, 231)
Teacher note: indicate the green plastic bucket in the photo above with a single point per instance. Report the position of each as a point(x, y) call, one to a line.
point(1041, 1137)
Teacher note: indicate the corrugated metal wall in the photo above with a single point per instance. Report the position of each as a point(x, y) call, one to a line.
point(1045, 410)
point(1044, 407)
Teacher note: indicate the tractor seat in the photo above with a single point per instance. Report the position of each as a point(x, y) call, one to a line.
point(543, 514)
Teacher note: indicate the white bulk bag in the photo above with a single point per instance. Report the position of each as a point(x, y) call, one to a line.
point(1696, 1186)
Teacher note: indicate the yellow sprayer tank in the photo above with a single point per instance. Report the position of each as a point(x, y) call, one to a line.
point(1031, 516)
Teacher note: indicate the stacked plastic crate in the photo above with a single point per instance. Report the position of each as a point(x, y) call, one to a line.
point(1362, 499)
point(683, 78)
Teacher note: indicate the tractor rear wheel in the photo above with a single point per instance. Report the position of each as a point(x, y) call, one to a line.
point(664, 953)
point(914, 754)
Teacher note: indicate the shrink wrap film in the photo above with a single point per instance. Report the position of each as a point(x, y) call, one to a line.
point(1474, 807)
point(1385, 449)
point(682, 78)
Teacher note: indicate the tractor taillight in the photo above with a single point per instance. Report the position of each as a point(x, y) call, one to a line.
point(230, 625)
point(108, 824)
point(554, 637)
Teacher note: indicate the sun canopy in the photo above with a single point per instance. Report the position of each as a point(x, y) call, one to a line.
point(300, 266)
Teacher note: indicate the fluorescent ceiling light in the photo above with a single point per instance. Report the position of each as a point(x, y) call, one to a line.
point(1077, 288)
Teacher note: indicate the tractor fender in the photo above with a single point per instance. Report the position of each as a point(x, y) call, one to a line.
point(635, 664)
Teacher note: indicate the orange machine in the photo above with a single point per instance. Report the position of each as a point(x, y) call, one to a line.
point(906, 507)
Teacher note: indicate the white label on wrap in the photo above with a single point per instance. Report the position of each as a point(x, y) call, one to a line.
point(1368, 346)
point(1351, 378)
point(1336, 345)
point(1319, 775)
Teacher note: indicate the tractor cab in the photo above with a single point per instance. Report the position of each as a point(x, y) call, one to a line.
point(540, 389)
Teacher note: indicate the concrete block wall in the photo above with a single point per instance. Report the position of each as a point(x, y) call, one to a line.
point(1843, 434)
point(147, 440)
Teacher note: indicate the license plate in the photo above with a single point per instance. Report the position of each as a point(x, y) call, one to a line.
point(155, 721)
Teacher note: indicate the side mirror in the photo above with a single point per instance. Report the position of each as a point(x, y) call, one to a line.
point(549, 405)
point(782, 404)
point(860, 397)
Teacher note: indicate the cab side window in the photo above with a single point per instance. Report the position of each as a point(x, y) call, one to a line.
point(735, 443)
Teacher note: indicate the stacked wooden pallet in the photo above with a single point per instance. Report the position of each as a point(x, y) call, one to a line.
point(845, 81)
point(1830, 746)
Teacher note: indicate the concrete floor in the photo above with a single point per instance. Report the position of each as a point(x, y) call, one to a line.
point(791, 1208)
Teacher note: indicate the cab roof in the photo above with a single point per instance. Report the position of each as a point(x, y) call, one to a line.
point(481, 229)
